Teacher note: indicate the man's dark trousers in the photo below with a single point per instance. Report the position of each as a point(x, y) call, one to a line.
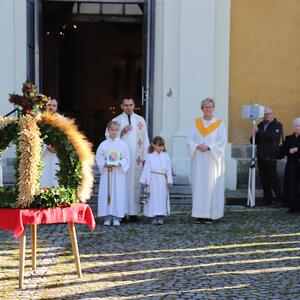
point(267, 169)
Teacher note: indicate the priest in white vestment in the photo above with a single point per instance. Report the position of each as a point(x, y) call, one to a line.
point(133, 131)
point(50, 160)
point(112, 201)
point(206, 144)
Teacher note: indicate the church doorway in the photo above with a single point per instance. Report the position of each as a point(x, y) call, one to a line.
point(91, 56)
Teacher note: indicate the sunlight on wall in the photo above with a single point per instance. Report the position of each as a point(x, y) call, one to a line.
point(264, 61)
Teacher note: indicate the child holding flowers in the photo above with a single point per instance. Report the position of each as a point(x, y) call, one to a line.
point(112, 158)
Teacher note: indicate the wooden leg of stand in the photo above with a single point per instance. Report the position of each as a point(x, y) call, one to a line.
point(22, 246)
point(75, 248)
point(33, 245)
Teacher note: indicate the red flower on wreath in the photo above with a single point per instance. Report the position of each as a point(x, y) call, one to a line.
point(30, 100)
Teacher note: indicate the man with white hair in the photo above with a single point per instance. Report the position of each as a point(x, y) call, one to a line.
point(268, 134)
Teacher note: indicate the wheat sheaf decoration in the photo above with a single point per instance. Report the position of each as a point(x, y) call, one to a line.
point(7, 120)
point(31, 131)
point(82, 147)
point(30, 150)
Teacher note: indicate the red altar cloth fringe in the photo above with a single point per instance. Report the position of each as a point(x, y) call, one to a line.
point(15, 219)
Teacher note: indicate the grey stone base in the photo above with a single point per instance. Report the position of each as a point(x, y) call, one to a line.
point(242, 154)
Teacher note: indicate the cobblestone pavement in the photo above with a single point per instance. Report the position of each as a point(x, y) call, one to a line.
point(250, 254)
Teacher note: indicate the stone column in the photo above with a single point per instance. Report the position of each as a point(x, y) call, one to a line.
point(13, 49)
point(196, 71)
point(13, 58)
point(166, 85)
point(192, 62)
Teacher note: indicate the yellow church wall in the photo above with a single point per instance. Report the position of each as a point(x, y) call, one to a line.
point(264, 61)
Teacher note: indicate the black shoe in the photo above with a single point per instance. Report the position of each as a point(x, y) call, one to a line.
point(208, 221)
point(199, 220)
point(292, 211)
point(133, 219)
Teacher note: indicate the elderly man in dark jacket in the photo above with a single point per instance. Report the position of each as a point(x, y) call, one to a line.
point(268, 134)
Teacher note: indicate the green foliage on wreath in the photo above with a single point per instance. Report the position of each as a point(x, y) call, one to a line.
point(54, 196)
point(50, 197)
point(8, 197)
point(69, 174)
point(8, 134)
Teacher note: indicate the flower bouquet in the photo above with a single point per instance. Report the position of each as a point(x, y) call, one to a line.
point(30, 100)
point(113, 157)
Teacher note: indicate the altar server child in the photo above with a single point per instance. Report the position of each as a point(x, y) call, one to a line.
point(112, 158)
point(157, 178)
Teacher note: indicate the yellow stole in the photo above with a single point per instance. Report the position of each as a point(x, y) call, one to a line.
point(204, 131)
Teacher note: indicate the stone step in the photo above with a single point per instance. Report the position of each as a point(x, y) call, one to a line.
point(239, 197)
point(239, 194)
point(242, 193)
point(178, 180)
point(242, 155)
point(181, 180)
point(180, 196)
point(181, 190)
point(180, 200)
point(232, 197)
point(187, 201)
point(181, 185)
point(176, 191)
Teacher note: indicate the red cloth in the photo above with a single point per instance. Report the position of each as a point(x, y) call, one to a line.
point(15, 219)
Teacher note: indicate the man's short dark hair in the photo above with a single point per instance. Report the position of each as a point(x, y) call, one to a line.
point(127, 98)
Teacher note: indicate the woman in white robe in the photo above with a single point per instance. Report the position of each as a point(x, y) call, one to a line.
point(157, 176)
point(116, 208)
point(51, 166)
point(206, 143)
point(50, 159)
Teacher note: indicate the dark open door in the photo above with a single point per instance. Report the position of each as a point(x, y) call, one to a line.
point(147, 88)
point(33, 8)
point(30, 39)
point(148, 68)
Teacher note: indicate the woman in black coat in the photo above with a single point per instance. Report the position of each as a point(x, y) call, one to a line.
point(291, 185)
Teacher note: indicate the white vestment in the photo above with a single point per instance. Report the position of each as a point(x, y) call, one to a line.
point(51, 165)
point(157, 173)
point(138, 143)
point(1, 175)
point(208, 170)
point(117, 179)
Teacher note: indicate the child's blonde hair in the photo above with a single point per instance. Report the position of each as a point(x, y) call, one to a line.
point(158, 140)
point(112, 124)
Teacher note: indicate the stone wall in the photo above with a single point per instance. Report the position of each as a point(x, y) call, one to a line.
point(264, 62)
